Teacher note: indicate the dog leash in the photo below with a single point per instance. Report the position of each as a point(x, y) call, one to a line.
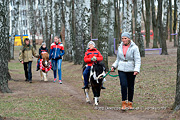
point(110, 74)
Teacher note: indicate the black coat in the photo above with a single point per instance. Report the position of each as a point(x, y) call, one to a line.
point(41, 49)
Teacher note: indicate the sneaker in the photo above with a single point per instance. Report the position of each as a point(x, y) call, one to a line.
point(54, 80)
point(30, 81)
point(60, 82)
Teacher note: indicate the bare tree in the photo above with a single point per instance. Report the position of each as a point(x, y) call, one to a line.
point(32, 21)
point(176, 105)
point(117, 20)
point(14, 27)
point(138, 35)
point(117, 25)
point(86, 30)
point(68, 32)
point(162, 25)
point(21, 17)
point(103, 31)
point(170, 13)
point(4, 46)
point(95, 19)
point(147, 23)
point(78, 33)
point(48, 25)
point(175, 23)
point(111, 12)
point(154, 24)
point(127, 17)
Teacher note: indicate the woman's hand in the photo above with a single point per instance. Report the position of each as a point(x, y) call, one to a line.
point(136, 73)
point(22, 62)
point(112, 69)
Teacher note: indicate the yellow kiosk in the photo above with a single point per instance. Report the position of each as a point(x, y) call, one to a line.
point(17, 41)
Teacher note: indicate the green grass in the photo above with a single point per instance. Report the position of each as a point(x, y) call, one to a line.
point(36, 108)
point(16, 67)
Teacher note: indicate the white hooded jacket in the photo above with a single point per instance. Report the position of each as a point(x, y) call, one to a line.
point(132, 61)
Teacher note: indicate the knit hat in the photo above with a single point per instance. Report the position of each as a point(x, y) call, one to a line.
point(91, 42)
point(125, 34)
point(43, 44)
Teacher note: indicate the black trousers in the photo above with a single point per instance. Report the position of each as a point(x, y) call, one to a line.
point(27, 70)
point(127, 80)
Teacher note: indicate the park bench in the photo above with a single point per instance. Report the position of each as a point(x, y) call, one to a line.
point(154, 49)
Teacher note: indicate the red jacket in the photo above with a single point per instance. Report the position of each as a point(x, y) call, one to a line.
point(90, 53)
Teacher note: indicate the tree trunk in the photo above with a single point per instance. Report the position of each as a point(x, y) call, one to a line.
point(103, 31)
point(14, 27)
point(177, 97)
point(147, 23)
point(138, 36)
point(44, 19)
point(164, 28)
point(127, 17)
point(170, 24)
point(175, 23)
point(111, 32)
point(86, 19)
point(117, 23)
point(78, 32)
point(48, 25)
point(21, 22)
point(32, 21)
point(68, 33)
point(135, 17)
point(95, 19)
point(154, 24)
point(4, 43)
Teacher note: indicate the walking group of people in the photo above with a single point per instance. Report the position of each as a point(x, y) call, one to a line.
point(27, 52)
point(128, 63)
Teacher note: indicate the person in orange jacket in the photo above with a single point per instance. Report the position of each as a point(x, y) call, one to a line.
point(92, 55)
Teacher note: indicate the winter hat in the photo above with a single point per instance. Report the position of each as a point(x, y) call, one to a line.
point(91, 42)
point(125, 34)
point(43, 44)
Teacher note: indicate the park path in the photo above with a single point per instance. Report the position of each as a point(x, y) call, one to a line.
point(71, 88)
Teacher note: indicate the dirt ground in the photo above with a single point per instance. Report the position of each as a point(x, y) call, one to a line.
point(153, 99)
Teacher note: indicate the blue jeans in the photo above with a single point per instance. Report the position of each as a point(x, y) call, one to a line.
point(127, 85)
point(38, 63)
point(86, 75)
point(27, 70)
point(57, 65)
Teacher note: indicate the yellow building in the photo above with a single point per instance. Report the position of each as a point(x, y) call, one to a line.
point(17, 41)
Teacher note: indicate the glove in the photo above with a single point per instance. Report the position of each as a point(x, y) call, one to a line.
point(94, 58)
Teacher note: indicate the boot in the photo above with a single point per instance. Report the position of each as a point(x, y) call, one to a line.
point(37, 68)
point(102, 87)
point(86, 86)
point(124, 105)
point(130, 106)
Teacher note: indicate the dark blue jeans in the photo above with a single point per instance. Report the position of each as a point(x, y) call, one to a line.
point(27, 70)
point(38, 63)
point(86, 75)
point(127, 80)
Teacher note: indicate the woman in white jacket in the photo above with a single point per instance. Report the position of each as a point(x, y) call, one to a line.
point(128, 63)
